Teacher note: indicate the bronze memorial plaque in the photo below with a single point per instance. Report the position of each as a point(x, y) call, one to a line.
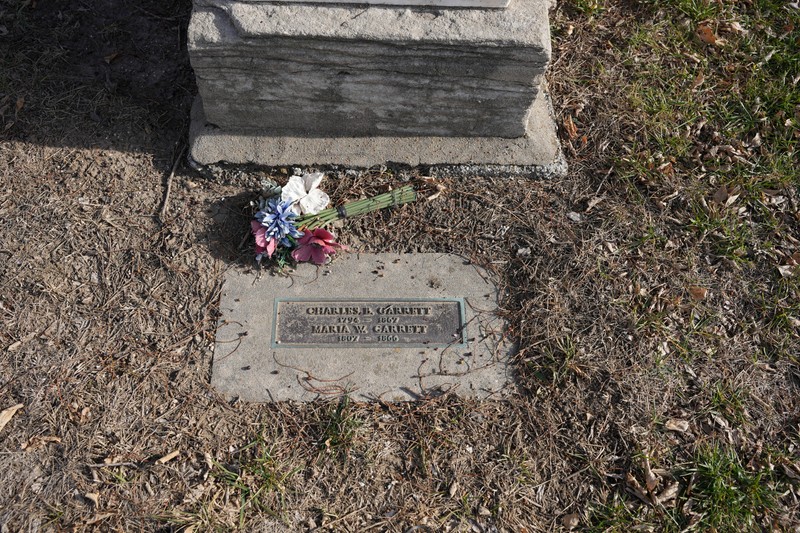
point(308, 323)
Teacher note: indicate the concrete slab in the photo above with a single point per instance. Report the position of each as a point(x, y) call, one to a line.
point(538, 148)
point(383, 327)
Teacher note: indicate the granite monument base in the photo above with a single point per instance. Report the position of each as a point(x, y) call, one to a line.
point(324, 84)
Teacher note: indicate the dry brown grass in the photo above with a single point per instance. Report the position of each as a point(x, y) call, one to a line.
point(108, 314)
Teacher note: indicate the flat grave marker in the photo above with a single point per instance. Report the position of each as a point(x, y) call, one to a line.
point(383, 327)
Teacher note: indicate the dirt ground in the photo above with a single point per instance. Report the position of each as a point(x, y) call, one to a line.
point(652, 294)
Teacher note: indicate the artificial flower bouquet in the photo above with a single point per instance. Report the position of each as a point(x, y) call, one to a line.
point(290, 222)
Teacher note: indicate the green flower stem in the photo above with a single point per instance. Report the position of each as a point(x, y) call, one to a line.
point(397, 197)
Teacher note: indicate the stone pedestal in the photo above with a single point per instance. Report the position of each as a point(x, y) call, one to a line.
point(304, 84)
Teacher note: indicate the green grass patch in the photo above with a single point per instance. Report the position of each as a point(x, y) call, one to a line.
point(259, 478)
point(718, 493)
point(616, 516)
point(556, 362)
point(696, 10)
point(783, 306)
point(338, 428)
point(742, 93)
point(588, 8)
point(729, 401)
point(729, 235)
point(727, 495)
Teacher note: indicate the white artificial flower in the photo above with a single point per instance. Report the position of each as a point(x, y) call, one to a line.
point(304, 194)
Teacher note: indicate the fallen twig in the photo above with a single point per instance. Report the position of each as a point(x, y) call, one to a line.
point(165, 203)
point(112, 465)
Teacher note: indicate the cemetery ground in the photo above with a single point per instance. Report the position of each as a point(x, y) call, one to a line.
point(653, 294)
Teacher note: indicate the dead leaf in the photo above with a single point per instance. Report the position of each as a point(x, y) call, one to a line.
point(766, 367)
point(731, 199)
point(721, 195)
point(593, 202)
point(650, 479)
point(634, 488)
point(34, 443)
point(99, 518)
point(111, 57)
point(14, 346)
point(735, 27)
point(706, 34)
point(7, 414)
point(791, 472)
point(698, 293)
point(698, 80)
point(439, 190)
point(787, 271)
point(453, 489)
point(692, 57)
point(169, 457)
point(675, 424)
point(669, 493)
point(93, 497)
point(570, 128)
point(571, 521)
point(721, 422)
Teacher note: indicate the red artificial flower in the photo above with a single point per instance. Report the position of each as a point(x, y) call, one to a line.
point(316, 246)
point(263, 245)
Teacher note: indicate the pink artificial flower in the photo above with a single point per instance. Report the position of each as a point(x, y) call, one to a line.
point(263, 245)
point(316, 246)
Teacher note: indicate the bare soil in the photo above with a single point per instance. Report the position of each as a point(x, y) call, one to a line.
point(625, 316)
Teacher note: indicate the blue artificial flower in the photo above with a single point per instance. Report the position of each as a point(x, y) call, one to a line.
point(277, 219)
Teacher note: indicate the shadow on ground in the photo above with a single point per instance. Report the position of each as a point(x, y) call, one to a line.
point(105, 74)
